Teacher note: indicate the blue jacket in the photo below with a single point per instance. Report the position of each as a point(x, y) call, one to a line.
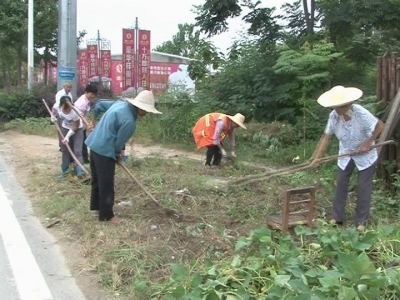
point(114, 129)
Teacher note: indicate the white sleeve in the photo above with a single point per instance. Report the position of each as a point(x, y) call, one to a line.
point(331, 124)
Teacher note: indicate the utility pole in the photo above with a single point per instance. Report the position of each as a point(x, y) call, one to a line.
point(30, 45)
point(137, 54)
point(67, 44)
point(99, 48)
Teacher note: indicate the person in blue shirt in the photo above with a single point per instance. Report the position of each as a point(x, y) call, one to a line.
point(106, 141)
point(99, 108)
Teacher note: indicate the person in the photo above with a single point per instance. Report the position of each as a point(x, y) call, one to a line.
point(65, 91)
point(114, 129)
point(211, 129)
point(356, 129)
point(83, 104)
point(71, 126)
point(99, 108)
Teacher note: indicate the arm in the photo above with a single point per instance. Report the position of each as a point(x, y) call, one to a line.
point(321, 148)
point(232, 142)
point(124, 131)
point(219, 127)
point(375, 134)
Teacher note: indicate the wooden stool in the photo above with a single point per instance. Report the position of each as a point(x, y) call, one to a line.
point(295, 212)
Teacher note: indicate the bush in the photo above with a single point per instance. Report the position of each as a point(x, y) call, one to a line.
point(20, 103)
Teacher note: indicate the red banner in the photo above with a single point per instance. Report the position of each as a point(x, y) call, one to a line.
point(159, 74)
point(128, 58)
point(106, 63)
point(83, 67)
point(144, 59)
point(116, 77)
point(93, 61)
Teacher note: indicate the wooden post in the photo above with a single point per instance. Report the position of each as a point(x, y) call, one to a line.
point(397, 74)
point(379, 78)
point(385, 94)
point(392, 70)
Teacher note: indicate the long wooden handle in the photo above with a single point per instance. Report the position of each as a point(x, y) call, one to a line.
point(67, 145)
point(79, 114)
point(304, 166)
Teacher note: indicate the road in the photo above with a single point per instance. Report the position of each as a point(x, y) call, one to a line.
point(32, 266)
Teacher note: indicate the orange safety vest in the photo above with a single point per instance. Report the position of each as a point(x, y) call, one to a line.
point(203, 131)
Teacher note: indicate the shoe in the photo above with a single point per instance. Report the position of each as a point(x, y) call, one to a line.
point(64, 171)
point(334, 222)
point(79, 171)
point(115, 220)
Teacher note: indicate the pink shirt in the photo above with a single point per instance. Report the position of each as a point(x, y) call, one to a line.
point(219, 128)
point(83, 105)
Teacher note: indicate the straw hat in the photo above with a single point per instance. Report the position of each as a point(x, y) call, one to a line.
point(145, 101)
point(339, 95)
point(238, 119)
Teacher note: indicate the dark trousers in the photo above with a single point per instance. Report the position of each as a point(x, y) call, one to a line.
point(364, 193)
point(102, 193)
point(213, 152)
point(85, 153)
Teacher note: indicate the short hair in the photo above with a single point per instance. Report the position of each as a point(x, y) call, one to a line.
point(91, 88)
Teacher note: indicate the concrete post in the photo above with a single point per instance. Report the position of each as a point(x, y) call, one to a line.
point(67, 44)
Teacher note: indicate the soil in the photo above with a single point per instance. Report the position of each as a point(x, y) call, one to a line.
point(29, 155)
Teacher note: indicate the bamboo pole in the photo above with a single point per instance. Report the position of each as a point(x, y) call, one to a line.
point(67, 145)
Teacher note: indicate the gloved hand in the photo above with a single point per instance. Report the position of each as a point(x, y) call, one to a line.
point(223, 152)
point(67, 136)
point(233, 154)
point(53, 119)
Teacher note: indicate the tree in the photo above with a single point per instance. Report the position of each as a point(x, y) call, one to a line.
point(189, 43)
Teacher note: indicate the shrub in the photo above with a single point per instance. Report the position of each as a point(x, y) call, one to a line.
point(20, 103)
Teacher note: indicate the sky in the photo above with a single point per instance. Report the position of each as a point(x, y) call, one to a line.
point(161, 17)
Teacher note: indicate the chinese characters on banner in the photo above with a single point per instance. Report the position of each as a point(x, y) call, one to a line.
point(83, 68)
point(93, 60)
point(144, 59)
point(128, 58)
point(106, 63)
point(116, 75)
point(159, 74)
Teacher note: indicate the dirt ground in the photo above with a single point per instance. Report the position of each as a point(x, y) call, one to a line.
point(29, 155)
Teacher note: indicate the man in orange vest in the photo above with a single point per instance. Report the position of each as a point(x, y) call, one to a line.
point(211, 129)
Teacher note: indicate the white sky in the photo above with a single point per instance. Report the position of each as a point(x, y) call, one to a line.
point(160, 16)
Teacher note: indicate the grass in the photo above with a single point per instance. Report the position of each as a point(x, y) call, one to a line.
point(134, 260)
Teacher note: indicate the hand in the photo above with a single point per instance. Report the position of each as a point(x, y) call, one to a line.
point(315, 162)
point(119, 160)
point(364, 147)
point(223, 152)
point(233, 154)
point(90, 128)
point(53, 119)
point(65, 141)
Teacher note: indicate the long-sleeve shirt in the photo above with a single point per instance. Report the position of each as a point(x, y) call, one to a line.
point(102, 105)
point(114, 129)
point(219, 129)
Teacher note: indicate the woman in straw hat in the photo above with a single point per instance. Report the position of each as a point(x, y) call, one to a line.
point(106, 142)
point(356, 129)
point(211, 129)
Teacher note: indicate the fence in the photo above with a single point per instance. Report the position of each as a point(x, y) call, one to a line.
point(387, 86)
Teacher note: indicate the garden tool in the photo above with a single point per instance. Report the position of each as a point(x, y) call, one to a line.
point(86, 180)
point(290, 170)
point(169, 212)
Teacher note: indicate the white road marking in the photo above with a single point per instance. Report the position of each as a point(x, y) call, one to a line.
point(30, 281)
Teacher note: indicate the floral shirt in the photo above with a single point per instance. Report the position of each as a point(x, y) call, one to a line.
point(352, 134)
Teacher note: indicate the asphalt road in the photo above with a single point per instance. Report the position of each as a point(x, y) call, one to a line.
point(32, 266)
